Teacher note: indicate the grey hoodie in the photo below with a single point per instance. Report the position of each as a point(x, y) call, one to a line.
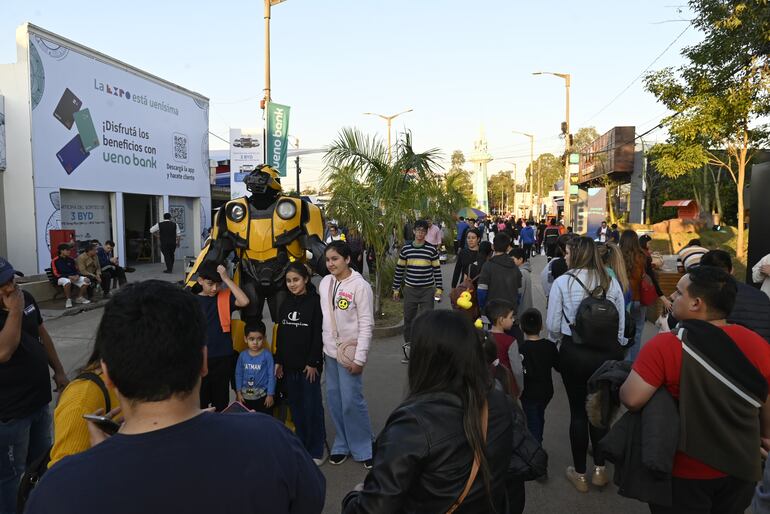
point(525, 291)
point(502, 279)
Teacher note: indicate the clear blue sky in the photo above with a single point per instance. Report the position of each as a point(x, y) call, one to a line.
point(458, 64)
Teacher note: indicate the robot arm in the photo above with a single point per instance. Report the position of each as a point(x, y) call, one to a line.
point(217, 249)
point(313, 226)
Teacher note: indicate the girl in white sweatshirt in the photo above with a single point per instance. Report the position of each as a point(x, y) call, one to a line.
point(346, 303)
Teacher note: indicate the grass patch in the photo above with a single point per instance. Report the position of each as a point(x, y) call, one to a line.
point(392, 313)
point(724, 240)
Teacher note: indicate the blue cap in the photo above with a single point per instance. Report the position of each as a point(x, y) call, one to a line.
point(6, 271)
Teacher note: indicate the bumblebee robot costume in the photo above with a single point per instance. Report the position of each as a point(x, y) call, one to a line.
point(265, 231)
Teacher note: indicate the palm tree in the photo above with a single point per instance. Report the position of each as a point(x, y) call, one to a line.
point(375, 194)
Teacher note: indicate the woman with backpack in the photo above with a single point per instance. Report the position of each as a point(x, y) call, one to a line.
point(586, 296)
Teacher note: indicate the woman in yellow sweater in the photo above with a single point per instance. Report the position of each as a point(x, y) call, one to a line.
point(84, 395)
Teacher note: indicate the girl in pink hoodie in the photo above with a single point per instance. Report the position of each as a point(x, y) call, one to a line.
point(347, 297)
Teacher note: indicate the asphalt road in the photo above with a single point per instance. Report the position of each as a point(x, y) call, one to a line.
point(385, 387)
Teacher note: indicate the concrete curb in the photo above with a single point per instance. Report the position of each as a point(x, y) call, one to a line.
point(52, 314)
point(385, 332)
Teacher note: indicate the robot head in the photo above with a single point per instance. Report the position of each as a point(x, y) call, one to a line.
point(262, 179)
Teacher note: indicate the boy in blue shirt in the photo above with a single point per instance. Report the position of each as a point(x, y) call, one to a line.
point(255, 371)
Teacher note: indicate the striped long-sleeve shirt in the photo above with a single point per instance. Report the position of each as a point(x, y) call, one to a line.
point(418, 266)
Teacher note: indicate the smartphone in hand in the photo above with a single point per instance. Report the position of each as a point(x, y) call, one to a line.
point(105, 424)
point(236, 407)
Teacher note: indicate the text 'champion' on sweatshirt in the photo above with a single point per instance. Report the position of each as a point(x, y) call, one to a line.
point(299, 342)
point(352, 306)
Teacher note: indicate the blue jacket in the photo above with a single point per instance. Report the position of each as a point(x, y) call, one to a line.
point(104, 259)
point(64, 267)
point(528, 235)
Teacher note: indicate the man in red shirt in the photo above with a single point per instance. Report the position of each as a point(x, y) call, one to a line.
point(708, 294)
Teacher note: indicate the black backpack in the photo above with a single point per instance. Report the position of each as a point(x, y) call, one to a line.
point(596, 320)
point(34, 473)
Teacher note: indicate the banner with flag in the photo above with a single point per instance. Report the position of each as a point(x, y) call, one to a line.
point(277, 136)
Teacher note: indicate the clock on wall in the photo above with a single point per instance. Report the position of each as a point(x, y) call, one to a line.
point(37, 75)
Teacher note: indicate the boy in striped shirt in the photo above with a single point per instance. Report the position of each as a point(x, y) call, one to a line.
point(419, 270)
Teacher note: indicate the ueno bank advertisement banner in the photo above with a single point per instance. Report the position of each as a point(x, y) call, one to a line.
point(97, 126)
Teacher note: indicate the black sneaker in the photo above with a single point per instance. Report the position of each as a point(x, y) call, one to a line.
point(368, 464)
point(337, 459)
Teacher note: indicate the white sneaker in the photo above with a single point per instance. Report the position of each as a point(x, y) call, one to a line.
point(82, 300)
point(68, 304)
point(320, 462)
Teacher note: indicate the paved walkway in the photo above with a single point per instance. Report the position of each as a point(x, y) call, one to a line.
point(385, 388)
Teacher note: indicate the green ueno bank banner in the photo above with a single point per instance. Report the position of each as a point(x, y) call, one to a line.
point(277, 136)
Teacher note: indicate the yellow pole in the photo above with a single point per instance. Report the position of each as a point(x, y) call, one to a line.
point(267, 53)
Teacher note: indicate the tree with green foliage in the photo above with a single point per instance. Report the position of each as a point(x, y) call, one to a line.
point(501, 188)
point(720, 96)
point(458, 180)
point(584, 137)
point(376, 194)
point(548, 170)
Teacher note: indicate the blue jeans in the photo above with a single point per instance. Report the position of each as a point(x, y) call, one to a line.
point(639, 313)
point(22, 441)
point(307, 411)
point(347, 407)
point(535, 412)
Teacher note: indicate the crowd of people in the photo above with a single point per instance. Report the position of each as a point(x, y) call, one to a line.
point(471, 429)
point(96, 266)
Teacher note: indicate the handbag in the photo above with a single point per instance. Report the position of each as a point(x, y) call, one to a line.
point(647, 293)
point(467, 285)
point(346, 350)
point(37, 468)
point(476, 461)
point(529, 460)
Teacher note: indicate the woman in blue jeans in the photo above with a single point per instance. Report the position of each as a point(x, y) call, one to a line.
point(638, 263)
point(346, 302)
point(299, 358)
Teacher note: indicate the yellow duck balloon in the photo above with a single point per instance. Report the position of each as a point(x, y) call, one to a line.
point(479, 324)
point(464, 301)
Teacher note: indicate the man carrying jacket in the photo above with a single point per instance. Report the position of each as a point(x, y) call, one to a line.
point(752, 306)
point(719, 373)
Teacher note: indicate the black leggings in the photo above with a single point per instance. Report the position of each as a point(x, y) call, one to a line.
point(578, 363)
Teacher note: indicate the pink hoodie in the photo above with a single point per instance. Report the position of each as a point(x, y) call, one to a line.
point(353, 300)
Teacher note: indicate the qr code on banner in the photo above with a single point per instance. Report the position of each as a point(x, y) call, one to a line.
point(177, 215)
point(180, 147)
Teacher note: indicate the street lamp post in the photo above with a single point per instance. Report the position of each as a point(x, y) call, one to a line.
point(389, 120)
point(268, 5)
point(567, 206)
point(531, 169)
